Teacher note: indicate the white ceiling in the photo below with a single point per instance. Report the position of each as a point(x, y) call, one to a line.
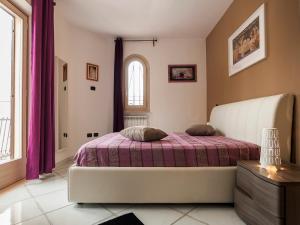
point(145, 18)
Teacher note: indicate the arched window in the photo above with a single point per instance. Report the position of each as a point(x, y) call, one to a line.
point(136, 84)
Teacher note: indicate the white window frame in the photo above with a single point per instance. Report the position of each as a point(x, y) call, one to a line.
point(146, 100)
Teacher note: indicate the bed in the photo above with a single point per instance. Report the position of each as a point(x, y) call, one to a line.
point(176, 150)
point(179, 174)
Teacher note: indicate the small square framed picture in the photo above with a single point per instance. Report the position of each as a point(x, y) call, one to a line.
point(92, 72)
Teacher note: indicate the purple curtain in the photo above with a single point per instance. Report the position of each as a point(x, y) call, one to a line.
point(118, 95)
point(41, 142)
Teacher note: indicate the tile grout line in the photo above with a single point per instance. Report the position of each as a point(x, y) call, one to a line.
point(35, 196)
point(187, 215)
point(183, 215)
point(58, 175)
point(46, 213)
point(103, 220)
point(53, 210)
point(66, 176)
point(177, 210)
point(109, 217)
point(39, 207)
point(177, 219)
point(195, 218)
point(122, 210)
point(114, 214)
point(32, 197)
point(14, 202)
point(45, 181)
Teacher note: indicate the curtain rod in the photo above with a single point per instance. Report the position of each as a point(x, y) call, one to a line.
point(141, 40)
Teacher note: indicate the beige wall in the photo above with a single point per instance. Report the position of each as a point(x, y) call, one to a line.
point(89, 111)
point(278, 73)
point(174, 106)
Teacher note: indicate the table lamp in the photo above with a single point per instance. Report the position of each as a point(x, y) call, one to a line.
point(270, 148)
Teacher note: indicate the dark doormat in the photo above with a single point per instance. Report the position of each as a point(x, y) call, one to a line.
point(127, 219)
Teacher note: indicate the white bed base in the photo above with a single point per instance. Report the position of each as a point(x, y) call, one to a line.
point(242, 120)
point(151, 185)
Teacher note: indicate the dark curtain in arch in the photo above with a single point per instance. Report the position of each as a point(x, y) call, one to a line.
point(41, 142)
point(118, 94)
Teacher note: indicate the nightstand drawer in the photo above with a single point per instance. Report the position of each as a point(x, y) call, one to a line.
point(251, 213)
point(263, 194)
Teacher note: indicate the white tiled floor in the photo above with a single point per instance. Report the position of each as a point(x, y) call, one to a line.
point(44, 202)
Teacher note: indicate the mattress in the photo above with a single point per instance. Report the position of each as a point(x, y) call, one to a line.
point(176, 150)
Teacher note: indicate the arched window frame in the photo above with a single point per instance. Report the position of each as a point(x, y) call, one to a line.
point(146, 100)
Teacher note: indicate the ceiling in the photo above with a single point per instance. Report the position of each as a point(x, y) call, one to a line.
point(145, 18)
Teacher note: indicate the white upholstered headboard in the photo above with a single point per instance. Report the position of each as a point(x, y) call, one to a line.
point(244, 120)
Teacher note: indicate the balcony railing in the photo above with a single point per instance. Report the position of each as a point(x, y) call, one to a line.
point(5, 128)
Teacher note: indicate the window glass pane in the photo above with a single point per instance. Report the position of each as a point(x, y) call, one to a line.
point(6, 60)
point(6, 39)
point(135, 84)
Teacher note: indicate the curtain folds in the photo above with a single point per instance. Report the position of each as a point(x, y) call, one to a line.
point(41, 139)
point(118, 94)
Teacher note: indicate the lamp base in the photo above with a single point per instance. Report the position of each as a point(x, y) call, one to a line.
point(266, 161)
point(270, 168)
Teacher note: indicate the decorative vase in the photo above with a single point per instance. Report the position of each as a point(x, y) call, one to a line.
point(270, 148)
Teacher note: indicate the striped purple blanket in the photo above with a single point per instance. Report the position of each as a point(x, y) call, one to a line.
point(176, 150)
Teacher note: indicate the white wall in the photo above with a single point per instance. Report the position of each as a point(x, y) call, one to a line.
point(173, 106)
point(89, 111)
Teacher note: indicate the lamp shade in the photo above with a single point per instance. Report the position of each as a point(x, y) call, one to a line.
point(270, 148)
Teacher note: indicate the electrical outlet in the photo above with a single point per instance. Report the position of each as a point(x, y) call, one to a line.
point(89, 135)
point(96, 134)
point(93, 88)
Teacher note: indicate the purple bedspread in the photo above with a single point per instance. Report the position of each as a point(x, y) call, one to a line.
point(176, 150)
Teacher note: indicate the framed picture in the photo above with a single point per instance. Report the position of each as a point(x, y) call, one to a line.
point(247, 45)
point(92, 72)
point(182, 73)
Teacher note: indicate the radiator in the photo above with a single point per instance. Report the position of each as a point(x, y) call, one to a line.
point(130, 121)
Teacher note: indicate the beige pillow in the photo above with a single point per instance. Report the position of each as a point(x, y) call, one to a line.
point(201, 130)
point(142, 133)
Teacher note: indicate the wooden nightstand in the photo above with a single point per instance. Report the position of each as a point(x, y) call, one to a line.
point(267, 198)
